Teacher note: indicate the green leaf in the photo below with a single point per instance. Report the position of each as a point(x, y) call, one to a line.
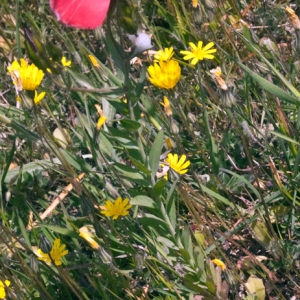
point(153, 221)
point(81, 79)
point(60, 230)
point(216, 195)
point(241, 178)
point(284, 137)
point(159, 187)
point(140, 85)
point(75, 161)
point(155, 152)
point(139, 166)
point(255, 286)
point(123, 138)
point(171, 210)
point(187, 241)
point(129, 173)
point(20, 129)
point(270, 87)
point(142, 201)
point(167, 242)
point(130, 125)
point(45, 164)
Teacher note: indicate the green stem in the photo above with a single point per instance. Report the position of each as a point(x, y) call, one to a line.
point(206, 122)
point(18, 38)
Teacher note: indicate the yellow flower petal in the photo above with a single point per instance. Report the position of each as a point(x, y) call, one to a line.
point(219, 263)
point(101, 122)
point(118, 208)
point(180, 166)
point(199, 53)
point(167, 105)
point(65, 62)
point(164, 75)
point(38, 97)
point(55, 255)
point(194, 3)
point(29, 77)
point(2, 293)
point(94, 61)
point(164, 55)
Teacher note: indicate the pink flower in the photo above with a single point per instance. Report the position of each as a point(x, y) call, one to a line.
point(83, 14)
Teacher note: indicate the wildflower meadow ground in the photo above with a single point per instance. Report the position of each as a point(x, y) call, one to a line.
point(149, 149)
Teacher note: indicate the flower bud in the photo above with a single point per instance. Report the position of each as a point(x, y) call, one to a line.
point(192, 117)
point(139, 261)
point(174, 127)
point(106, 258)
point(228, 100)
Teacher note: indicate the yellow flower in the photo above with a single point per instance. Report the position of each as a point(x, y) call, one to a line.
point(100, 122)
point(169, 143)
point(94, 61)
point(293, 17)
point(102, 118)
point(164, 55)
point(65, 62)
point(87, 233)
point(165, 75)
point(219, 263)
point(25, 76)
point(2, 288)
point(38, 97)
point(194, 3)
point(180, 166)
point(167, 106)
point(56, 253)
point(118, 208)
point(199, 53)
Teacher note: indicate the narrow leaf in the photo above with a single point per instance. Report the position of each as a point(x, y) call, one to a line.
point(155, 152)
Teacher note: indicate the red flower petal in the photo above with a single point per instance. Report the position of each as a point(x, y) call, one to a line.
point(83, 14)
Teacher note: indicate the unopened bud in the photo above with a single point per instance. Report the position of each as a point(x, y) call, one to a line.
point(106, 258)
point(228, 99)
point(192, 117)
point(174, 127)
point(139, 261)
